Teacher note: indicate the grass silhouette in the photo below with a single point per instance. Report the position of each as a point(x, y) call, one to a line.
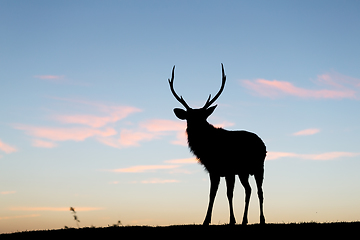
point(308, 230)
point(75, 217)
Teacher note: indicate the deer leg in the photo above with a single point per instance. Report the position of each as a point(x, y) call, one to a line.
point(244, 179)
point(214, 184)
point(259, 180)
point(230, 182)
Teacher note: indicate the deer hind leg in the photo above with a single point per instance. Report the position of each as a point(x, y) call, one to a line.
point(244, 179)
point(214, 184)
point(259, 180)
point(230, 182)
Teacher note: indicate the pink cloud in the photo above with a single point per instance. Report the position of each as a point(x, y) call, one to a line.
point(157, 180)
point(183, 161)
point(7, 192)
point(321, 156)
point(110, 109)
point(132, 138)
point(22, 216)
point(276, 88)
point(181, 139)
point(114, 114)
point(65, 134)
point(328, 155)
point(7, 148)
point(53, 79)
point(110, 114)
point(43, 144)
point(277, 155)
point(305, 132)
point(162, 125)
point(338, 80)
point(49, 77)
point(148, 130)
point(55, 209)
point(224, 124)
point(144, 168)
point(337, 87)
point(114, 182)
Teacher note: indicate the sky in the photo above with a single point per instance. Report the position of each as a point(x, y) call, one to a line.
point(87, 114)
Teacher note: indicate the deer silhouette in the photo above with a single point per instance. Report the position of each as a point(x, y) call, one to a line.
point(223, 153)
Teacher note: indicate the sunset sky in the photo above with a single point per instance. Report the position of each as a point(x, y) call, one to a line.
point(87, 114)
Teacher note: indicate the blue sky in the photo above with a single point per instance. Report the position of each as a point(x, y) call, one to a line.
point(87, 121)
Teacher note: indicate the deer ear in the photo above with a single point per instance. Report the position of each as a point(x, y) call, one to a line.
point(210, 110)
point(180, 113)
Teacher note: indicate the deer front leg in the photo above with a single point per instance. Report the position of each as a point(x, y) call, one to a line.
point(214, 184)
point(230, 181)
point(245, 182)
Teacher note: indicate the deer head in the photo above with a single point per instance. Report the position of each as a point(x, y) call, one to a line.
point(195, 116)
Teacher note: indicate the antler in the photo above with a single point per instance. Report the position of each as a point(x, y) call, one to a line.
point(209, 102)
point(180, 99)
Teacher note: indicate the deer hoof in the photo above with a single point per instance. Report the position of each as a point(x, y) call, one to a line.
point(232, 222)
point(206, 222)
point(262, 221)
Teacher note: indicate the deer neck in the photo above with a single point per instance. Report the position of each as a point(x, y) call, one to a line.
point(199, 130)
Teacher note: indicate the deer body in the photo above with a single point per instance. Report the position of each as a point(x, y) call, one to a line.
point(223, 153)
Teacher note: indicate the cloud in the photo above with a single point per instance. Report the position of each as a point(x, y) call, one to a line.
point(224, 124)
point(157, 180)
point(181, 139)
point(65, 134)
point(7, 148)
point(162, 125)
point(22, 216)
point(128, 138)
point(106, 108)
point(338, 80)
point(55, 209)
point(115, 114)
point(337, 86)
point(321, 156)
point(94, 125)
point(305, 132)
point(144, 168)
point(43, 144)
point(182, 161)
point(329, 155)
point(147, 131)
point(173, 164)
point(48, 77)
point(114, 182)
point(7, 192)
point(132, 138)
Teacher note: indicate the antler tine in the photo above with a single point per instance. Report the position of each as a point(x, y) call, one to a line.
point(209, 102)
point(180, 99)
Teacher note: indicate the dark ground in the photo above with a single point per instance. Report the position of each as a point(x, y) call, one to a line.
point(339, 230)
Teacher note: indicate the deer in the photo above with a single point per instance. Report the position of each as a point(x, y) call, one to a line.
point(223, 153)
